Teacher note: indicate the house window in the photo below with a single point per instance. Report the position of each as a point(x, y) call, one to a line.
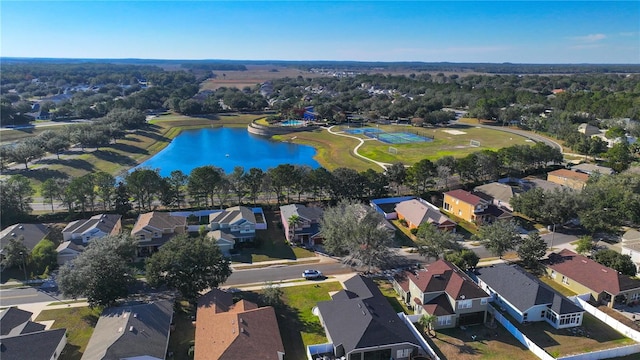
point(444, 320)
point(465, 304)
point(484, 301)
point(635, 296)
point(460, 212)
point(542, 313)
point(553, 274)
point(525, 316)
point(565, 280)
point(404, 353)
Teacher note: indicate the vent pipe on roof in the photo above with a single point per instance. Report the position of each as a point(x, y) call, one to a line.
point(131, 328)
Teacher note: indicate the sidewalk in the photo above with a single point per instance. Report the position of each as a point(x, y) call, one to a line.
point(318, 259)
point(341, 278)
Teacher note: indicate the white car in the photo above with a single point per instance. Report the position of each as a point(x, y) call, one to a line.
point(312, 274)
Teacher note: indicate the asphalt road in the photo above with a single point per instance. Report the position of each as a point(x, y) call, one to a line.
point(26, 295)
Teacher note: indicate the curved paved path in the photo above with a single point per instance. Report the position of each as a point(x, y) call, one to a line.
point(355, 149)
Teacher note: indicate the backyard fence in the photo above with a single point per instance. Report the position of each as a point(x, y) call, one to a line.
point(602, 316)
point(535, 349)
point(604, 354)
point(425, 345)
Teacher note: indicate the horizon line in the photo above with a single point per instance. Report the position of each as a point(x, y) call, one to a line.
point(310, 61)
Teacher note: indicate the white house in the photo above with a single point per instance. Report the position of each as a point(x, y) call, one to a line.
point(84, 230)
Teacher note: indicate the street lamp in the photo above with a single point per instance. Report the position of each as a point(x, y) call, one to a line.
point(24, 266)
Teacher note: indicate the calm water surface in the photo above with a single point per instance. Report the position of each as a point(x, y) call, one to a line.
point(227, 148)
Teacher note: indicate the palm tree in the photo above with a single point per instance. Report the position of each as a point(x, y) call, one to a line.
point(427, 320)
point(293, 221)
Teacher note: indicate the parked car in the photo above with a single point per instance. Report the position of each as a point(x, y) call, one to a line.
point(312, 274)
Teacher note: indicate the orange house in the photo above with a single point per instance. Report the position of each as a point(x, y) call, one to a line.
point(465, 205)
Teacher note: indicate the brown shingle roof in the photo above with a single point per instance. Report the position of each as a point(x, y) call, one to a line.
point(465, 196)
point(444, 276)
point(225, 330)
point(158, 220)
point(417, 212)
point(568, 174)
point(589, 273)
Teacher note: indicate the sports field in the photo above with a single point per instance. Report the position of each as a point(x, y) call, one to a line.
point(454, 141)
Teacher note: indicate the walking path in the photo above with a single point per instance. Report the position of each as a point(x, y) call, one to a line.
point(355, 149)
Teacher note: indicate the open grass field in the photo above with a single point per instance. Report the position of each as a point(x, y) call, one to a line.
point(335, 151)
point(118, 157)
point(444, 143)
point(8, 136)
point(79, 322)
point(332, 151)
point(255, 74)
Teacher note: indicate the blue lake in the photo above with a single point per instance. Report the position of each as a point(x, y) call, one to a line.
point(227, 148)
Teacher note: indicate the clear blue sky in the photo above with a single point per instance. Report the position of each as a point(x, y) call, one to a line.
point(456, 31)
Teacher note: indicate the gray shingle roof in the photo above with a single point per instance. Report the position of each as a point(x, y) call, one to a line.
point(361, 317)
point(39, 345)
point(102, 222)
point(524, 291)
point(11, 318)
point(32, 234)
point(131, 331)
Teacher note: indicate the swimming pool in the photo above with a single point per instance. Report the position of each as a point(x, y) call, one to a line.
point(293, 123)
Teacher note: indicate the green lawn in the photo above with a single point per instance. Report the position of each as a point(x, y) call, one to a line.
point(332, 151)
point(273, 245)
point(79, 322)
point(392, 296)
point(298, 326)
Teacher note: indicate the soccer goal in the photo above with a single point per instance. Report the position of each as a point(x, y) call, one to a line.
point(474, 143)
point(393, 150)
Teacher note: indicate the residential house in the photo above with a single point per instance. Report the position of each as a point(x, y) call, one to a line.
point(238, 221)
point(307, 229)
point(588, 129)
point(132, 332)
point(585, 276)
point(590, 169)
point(630, 245)
point(225, 241)
point(154, 229)
point(542, 184)
point(361, 324)
point(418, 211)
point(387, 206)
point(498, 194)
point(572, 179)
point(472, 208)
point(19, 336)
point(231, 227)
point(241, 330)
point(82, 231)
point(68, 251)
point(29, 234)
point(526, 298)
point(443, 290)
